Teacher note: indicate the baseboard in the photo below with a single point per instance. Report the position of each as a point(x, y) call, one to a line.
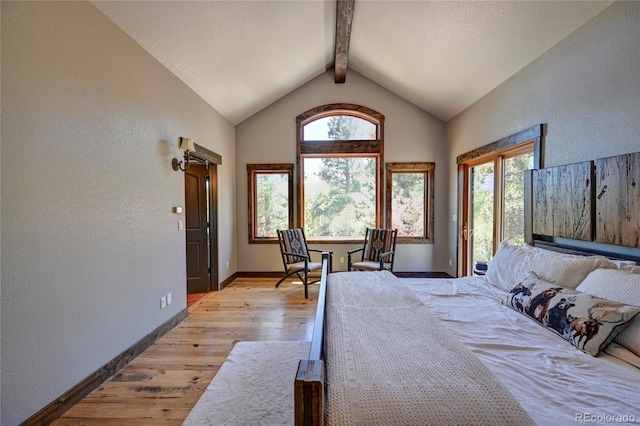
point(257, 274)
point(61, 404)
point(228, 281)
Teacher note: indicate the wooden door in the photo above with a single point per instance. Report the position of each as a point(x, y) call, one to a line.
point(197, 222)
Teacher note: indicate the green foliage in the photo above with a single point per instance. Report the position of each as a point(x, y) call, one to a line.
point(482, 202)
point(481, 220)
point(272, 204)
point(513, 215)
point(341, 127)
point(340, 172)
point(408, 192)
point(344, 205)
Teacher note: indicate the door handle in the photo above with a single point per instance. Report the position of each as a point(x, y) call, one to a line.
point(466, 232)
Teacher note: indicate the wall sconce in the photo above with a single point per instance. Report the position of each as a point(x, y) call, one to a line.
point(186, 145)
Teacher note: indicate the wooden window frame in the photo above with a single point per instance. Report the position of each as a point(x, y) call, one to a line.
point(523, 141)
point(428, 169)
point(253, 170)
point(339, 148)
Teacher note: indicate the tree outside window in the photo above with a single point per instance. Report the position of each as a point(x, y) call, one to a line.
point(513, 192)
point(409, 200)
point(340, 199)
point(491, 195)
point(270, 196)
point(339, 153)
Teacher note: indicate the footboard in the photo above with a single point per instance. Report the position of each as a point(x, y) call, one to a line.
point(309, 383)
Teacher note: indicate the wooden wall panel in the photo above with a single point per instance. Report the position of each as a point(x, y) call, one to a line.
point(572, 201)
point(618, 200)
point(562, 201)
point(543, 202)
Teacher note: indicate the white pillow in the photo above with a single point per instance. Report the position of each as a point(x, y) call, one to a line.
point(604, 262)
point(511, 264)
point(619, 285)
point(601, 261)
point(629, 337)
point(505, 267)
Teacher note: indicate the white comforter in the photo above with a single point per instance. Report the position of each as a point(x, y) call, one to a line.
point(389, 361)
point(554, 382)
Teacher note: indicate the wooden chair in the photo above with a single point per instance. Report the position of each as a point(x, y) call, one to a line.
point(378, 251)
point(296, 257)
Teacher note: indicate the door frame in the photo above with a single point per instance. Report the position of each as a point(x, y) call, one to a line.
point(211, 160)
point(478, 156)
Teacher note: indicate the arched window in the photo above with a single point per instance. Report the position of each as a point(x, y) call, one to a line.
point(340, 157)
point(341, 126)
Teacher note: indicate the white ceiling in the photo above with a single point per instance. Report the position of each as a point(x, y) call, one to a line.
point(240, 56)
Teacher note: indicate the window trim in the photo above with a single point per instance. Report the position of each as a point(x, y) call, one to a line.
point(533, 136)
point(252, 171)
point(428, 169)
point(337, 148)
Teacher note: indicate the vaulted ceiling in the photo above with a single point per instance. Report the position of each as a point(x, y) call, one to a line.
point(241, 56)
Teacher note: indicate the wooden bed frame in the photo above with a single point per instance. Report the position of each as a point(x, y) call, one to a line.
point(607, 222)
point(308, 393)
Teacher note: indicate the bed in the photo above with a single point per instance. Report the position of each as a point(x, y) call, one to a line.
point(544, 338)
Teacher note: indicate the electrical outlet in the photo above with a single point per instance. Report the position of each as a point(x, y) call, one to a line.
point(450, 262)
point(163, 302)
point(168, 298)
point(341, 259)
point(227, 264)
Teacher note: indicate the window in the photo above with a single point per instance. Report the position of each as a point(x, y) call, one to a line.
point(491, 195)
point(340, 152)
point(339, 127)
point(270, 196)
point(496, 201)
point(409, 201)
point(340, 198)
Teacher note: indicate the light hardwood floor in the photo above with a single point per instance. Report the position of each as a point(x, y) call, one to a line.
point(162, 384)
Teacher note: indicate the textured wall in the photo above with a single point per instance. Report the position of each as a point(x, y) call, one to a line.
point(586, 88)
point(410, 135)
point(90, 123)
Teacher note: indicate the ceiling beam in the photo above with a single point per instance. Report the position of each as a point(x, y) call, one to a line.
point(344, 18)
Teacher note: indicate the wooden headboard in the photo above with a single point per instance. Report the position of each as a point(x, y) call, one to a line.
point(591, 206)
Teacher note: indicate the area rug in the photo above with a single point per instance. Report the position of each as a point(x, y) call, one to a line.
point(254, 386)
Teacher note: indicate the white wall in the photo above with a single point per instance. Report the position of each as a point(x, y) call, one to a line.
point(586, 88)
point(90, 122)
point(410, 135)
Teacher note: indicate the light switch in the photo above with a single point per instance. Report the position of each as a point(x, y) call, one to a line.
point(180, 225)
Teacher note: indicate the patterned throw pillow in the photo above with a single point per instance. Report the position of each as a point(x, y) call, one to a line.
point(619, 285)
point(589, 323)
